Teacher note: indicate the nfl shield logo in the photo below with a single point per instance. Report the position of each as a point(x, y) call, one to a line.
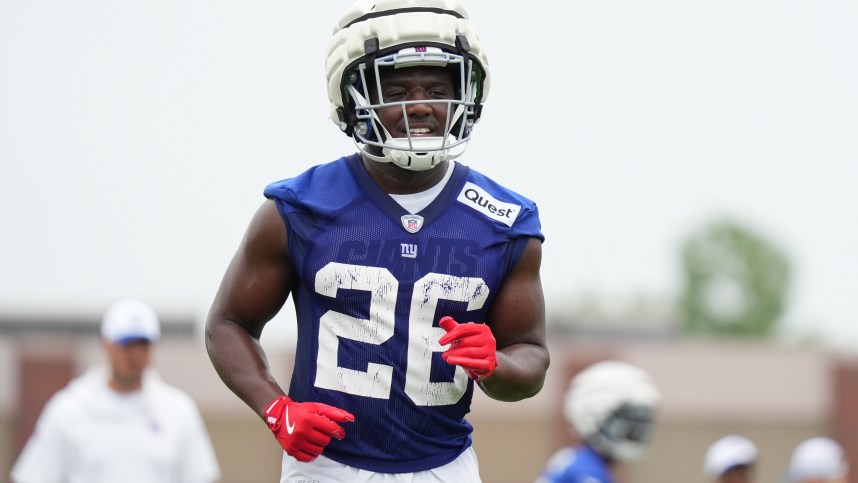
point(412, 223)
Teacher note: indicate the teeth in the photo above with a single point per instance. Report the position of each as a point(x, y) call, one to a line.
point(421, 130)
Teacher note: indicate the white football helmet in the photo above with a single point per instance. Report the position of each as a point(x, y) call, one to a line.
point(611, 405)
point(375, 34)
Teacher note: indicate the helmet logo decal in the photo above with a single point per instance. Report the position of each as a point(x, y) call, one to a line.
point(412, 223)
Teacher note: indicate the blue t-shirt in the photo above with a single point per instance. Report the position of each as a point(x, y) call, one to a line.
point(374, 281)
point(577, 464)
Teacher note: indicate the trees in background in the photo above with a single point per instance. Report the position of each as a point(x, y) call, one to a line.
point(735, 282)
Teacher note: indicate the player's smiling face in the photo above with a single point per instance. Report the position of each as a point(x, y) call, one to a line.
point(415, 84)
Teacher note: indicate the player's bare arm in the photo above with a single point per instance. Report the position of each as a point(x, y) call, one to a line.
point(517, 320)
point(254, 288)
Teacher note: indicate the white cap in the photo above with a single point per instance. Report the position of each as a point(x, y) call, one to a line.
point(728, 452)
point(129, 320)
point(820, 458)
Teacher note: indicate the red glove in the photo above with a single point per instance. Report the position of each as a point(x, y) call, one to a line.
point(472, 346)
point(304, 429)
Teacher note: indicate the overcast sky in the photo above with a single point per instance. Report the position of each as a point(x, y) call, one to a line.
point(136, 138)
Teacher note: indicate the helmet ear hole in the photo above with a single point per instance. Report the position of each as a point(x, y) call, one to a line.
point(367, 131)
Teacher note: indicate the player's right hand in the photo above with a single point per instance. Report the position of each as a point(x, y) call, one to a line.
point(304, 429)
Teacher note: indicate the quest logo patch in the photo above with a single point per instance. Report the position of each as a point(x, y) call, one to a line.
point(478, 199)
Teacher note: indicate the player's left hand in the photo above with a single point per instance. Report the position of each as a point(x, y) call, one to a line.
point(472, 346)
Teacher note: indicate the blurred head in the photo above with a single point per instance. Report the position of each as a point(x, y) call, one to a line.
point(612, 406)
point(377, 39)
point(738, 474)
point(731, 459)
point(128, 329)
point(818, 460)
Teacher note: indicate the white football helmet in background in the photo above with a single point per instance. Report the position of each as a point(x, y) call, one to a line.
point(374, 34)
point(611, 405)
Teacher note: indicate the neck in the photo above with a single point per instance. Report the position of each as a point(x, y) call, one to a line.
point(125, 386)
point(399, 181)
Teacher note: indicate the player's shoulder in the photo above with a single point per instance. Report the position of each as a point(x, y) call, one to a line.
point(326, 176)
point(559, 461)
point(490, 185)
point(506, 208)
point(576, 465)
point(322, 186)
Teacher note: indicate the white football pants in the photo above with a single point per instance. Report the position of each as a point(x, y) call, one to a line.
point(463, 469)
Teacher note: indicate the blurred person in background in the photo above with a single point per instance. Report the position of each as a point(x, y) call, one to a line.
point(818, 460)
point(731, 459)
point(120, 422)
point(611, 406)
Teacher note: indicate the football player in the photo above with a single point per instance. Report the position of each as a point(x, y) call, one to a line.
point(611, 406)
point(414, 277)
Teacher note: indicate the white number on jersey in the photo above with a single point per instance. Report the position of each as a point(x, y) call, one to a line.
point(423, 338)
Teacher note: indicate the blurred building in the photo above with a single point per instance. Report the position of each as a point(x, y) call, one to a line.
point(774, 396)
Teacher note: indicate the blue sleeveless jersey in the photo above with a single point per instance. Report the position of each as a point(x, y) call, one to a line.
point(374, 281)
point(578, 464)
